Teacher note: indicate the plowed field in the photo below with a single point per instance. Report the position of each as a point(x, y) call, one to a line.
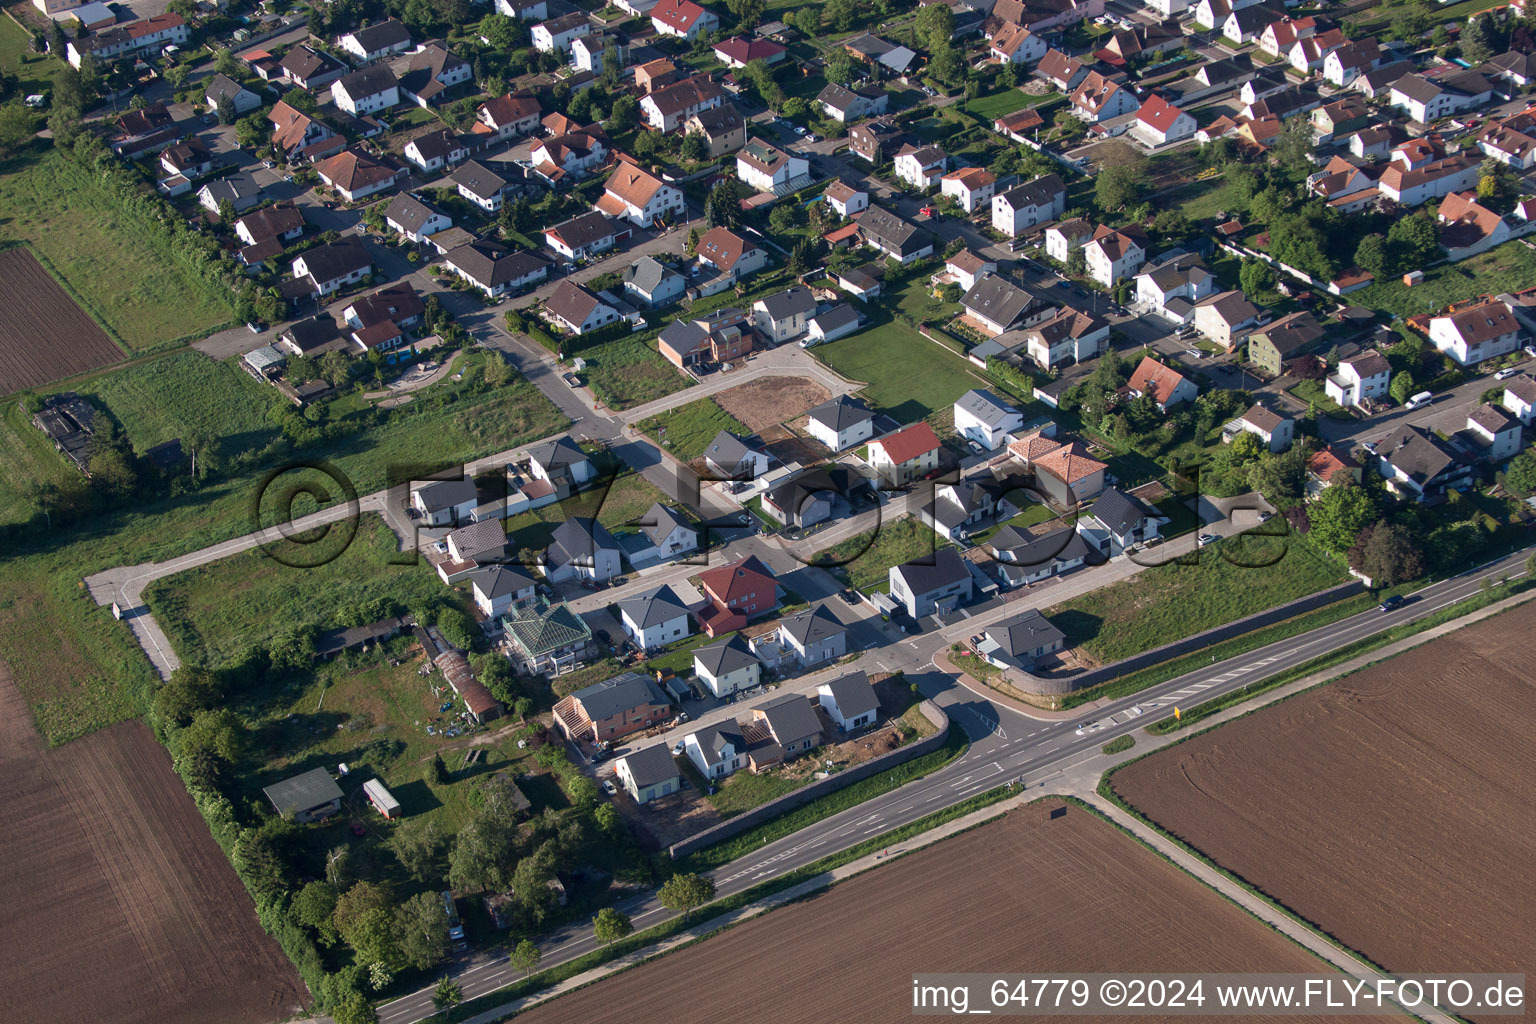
point(119, 906)
point(44, 336)
point(765, 401)
point(1394, 809)
point(1029, 893)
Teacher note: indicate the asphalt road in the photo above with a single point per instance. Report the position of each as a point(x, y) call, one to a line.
point(1005, 747)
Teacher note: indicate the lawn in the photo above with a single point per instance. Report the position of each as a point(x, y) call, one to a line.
point(689, 428)
point(867, 557)
point(627, 372)
point(35, 71)
point(628, 497)
point(908, 377)
point(31, 460)
point(1508, 268)
point(1169, 602)
point(1033, 514)
point(1199, 200)
point(989, 108)
point(216, 611)
point(1314, 391)
point(125, 276)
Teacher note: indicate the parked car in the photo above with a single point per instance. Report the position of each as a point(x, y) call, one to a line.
point(975, 447)
point(610, 788)
point(849, 597)
point(1395, 601)
point(1506, 373)
point(1207, 538)
point(1420, 400)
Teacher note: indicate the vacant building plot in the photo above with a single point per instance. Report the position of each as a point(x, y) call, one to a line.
point(108, 867)
point(763, 402)
point(1400, 794)
point(1038, 893)
point(44, 335)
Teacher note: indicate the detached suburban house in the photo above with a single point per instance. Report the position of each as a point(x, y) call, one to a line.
point(581, 237)
point(994, 305)
point(582, 548)
point(683, 19)
point(813, 636)
point(898, 239)
point(841, 423)
point(648, 773)
point(767, 168)
point(367, 91)
point(222, 87)
point(921, 166)
point(1272, 346)
point(576, 310)
point(938, 583)
point(731, 458)
point(1359, 380)
point(639, 197)
point(781, 729)
point(716, 750)
point(736, 592)
point(1025, 206)
point(850, 701)
point(1167, 386)
point(1113, 256)
point(655, 618)
point(1418, 466)
point(1223, 318)
point(1124, 520)
point(1479, 332)
point(727, 665)
point(784, 315)
point(414, 219)
point(1275, 430)
point(1069, 335)
point(843, 104)
point(494, 270)
point(334, 265)
point(385, 39)
point(983, 417)
point(612, 709)
point(905, 455)
point(497, 588)
point(1020, 642)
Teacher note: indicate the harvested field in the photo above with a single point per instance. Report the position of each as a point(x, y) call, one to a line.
point(765, 401)
point(109, 866)
point(1400, 794)
point(44, 335)
point(1035, 894)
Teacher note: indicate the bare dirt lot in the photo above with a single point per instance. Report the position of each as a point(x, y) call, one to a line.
point(1393, 809)
point(43, 335)
point(1029, 893)
point(110, 870)
point(765, 401)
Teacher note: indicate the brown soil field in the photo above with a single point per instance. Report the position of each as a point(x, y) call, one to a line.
point(1026, 894)
point(44, 335)
point(765, 401)
point(109, 870)
point(1392, 809)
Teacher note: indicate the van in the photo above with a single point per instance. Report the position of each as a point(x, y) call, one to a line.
point(1420, 399)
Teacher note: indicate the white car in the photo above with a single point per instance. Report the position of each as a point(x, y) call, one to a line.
point(610, 788)
point(1506, 373)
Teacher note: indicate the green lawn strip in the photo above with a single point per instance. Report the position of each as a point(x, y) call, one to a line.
point(679, 659)
point(867, 557)
point(688, 429)
point(1119, 745)
point(1509, 267)
point(640, 940)
point(627, 498)
point(1168, 602)
point(907, 376)
point(955, 744)
point(124, 275)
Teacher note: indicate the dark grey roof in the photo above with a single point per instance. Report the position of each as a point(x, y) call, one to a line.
point(382, 36)
point(492, 264)
point(477, 541)
point(408, 212)
point(312, 333)
point(683, 335)
point(661, 520)
point(791, 718)
point(986, 406)
point(811, 625)
point(998, 300)
point(440, 494)
point(837, 96)
point(792, 491)
point(1022, 634)
point(1514, 62)
point(891, 230)
point(838, 316)
point(304, 63)
point(712, 739)
point(501, 580)
point(1039, 192)
point(557, 453)
point(787, 303)
point(583, 230)
point(1060, 545)
point(1416, 452)
point(369, 81)
point(653, 607)
point(727, 450)
point(223, 87)
point(926, 574)
point(719, 120)
point(1119, 511)
point(651, 765)
point(841, 413)
point(1387, 74)
point(647, 273)
point(303, 792)
point(571, 303)
point(854, 694)
point(723, 656)
point(621, 693)
point(336, 259)
point(479, 179)
point(578, 540)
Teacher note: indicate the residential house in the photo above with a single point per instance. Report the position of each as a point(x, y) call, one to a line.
point(1277, 38)
point(1070, 335)
point(1348, 62)
point(731, 255)
point(569, 155)
point(815, 494)
point(1167, 387)
point(1426, 99)
point(1417, 466)
point(581, 237)
point(670, 106)
point(144, 36)
point(557, 34)
point(1100, 99)
point(784, 315)
point(432, 73)
point(937, 583)
point(481, 185)
point(958, 507)
point(971, 188)
point(1514, 67)
point(1491, 434)
point(444, 502)
point(367, 91)
point(1068, 475)
point(1023, 557)
point(509, 115)
point(576, 310)
point(716, 750)
point(547, 638)
point(191, 158)
point(813, 636)
point(1377, 83)
point(1327, 467)
point(841, 422)
point(739, 51)
point(995, 306)
point(1244, 24)
point(1124, 521)
point(1112, 255)
point(727, 666)
point(902, 241)
point(683, 19)
point(1520, 398)
point(873, 141)
point(864, 282)
point(965, 268)
point(589, 51)
point(562, 464)
point(653, 282)
point(732, 458)
point(1468, 228)
point(845, 199)
point(523, 10)
point(310, 796)
point(736, 592)
point(312, 337)
point(905, 455)
point(983, 417)
point(497, 588)
point(222, 88)
point(1020, 642)
point(334, 265)
point(920, 166)
point(1020, 126)
point(1173, 286)
point(436, 150)
point(374, 42)
point(1064, 73)
point(1224, 318)
point(1309, 55)
point(271, 226)
point(648, 774)
point(239, 190)
point(721, 337)
point(640, 197)
point(850, 701)
point(494, 269)
point(767, 168)
point(414, 219)
point(1484, 331)
point(1024, 206)
point(1411, 187)
point(1275, 430)
point(1512, 141)
point(670, 532)
point(1359, 380)
point(1160, 123)
point(582, 548)
point(654, 74)
point(1065, 237)
point(356, 175)
point(309, 68)
point(722, 128)
point(844, 104)
point(612, 709)
point(791, 725)
point(654, 618)
point(1015, 44)
point(1272, 346)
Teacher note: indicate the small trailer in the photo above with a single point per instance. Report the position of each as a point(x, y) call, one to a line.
point(382, 799)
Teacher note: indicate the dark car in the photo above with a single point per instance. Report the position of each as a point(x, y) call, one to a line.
point(358, 829)
point(1395, 601)
point(849, 597)
point(604, 636)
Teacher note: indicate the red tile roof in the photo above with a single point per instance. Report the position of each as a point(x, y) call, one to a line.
point(909, 442)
